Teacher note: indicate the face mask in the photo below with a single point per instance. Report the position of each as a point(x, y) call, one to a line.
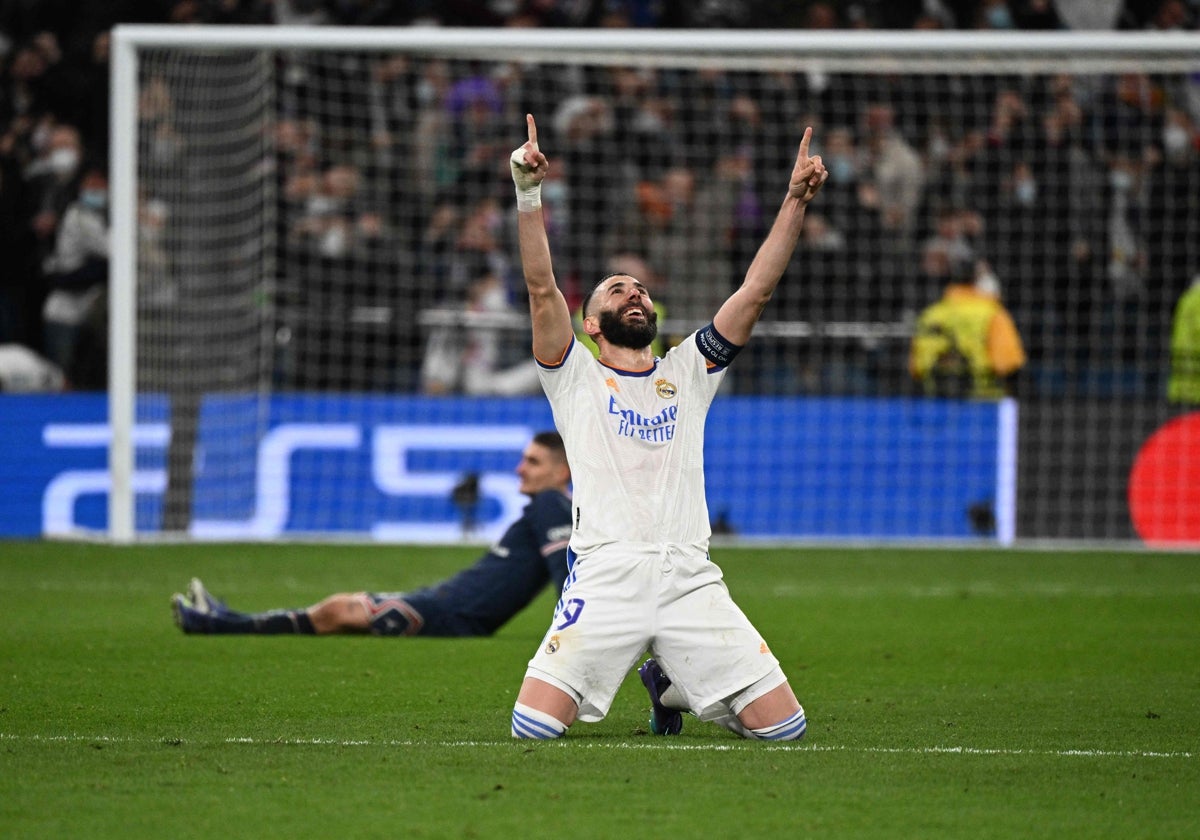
point(939, 147)
point(554, 192)
point(40, 137)
point(426, 92)
point(842, 170)
point(1176, 139)
point(999, 18)
point(334, 241)
point(63, 161)
point(492, 300)
point(94, 199)
point(1025, 192)
point(322, 205)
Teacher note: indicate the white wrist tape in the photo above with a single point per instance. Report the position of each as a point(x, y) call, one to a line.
point(529, 192)
point(529, 199)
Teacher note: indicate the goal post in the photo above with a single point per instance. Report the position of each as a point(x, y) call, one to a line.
point(315, 308)
point(122, 364)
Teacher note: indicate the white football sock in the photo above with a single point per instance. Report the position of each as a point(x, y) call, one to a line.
point(528, 722)
point(792, 729)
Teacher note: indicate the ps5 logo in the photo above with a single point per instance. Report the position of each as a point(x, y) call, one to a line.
point(66, 488)
point(390, 447)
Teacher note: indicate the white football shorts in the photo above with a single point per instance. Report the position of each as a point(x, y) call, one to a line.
point(622, 599)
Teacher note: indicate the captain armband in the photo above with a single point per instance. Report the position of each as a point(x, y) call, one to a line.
point(715, 347)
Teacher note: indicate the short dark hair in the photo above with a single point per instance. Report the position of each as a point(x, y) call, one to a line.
point(588, 297)
point(552, 441)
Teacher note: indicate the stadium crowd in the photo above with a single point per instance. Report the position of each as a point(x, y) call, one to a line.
point(927, 177)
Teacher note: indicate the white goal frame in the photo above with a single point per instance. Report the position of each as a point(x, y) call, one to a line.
point(824, 51)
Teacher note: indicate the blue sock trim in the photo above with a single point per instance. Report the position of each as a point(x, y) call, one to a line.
point(530, 723)
point(792, 729)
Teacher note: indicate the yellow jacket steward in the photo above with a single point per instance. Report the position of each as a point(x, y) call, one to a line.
point(1183, 386)
point(965, 345)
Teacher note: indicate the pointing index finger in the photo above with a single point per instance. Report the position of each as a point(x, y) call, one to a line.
point(803, 143)
point(532, 129)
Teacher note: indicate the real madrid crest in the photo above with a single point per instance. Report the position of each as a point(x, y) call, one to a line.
point(665, 389)
point(552, 645)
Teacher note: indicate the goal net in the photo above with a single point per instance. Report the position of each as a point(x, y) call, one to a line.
point(319, 325)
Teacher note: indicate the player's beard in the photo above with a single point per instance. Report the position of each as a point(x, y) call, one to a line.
point(622, 334)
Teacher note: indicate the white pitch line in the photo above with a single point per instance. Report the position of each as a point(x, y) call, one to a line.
point(671, 746)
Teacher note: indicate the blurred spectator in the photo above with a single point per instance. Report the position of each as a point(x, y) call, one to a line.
point(164, 145)
point(1127, 255)
point(845, 162)
point(1089, 14)
point(473, 355)
point(966, 343)
point(1163, 15)
point(533, 13)
point(371, 12)
point(1095, 177)
point(949, 255)
point(634, 13)
point(335, 223)
point(469, 357)
point(157, 284)
point(681, 223)
point(1183, 386)
point(814, 291)
point(1172, 212)
point(475, 116)
point(51, 178)
point(37, 83)
point(431, 169)
point(77, 279)
point(478, 246)
point(994, 14)
point(91, 81)
point(890, 192)
point(595, 180)
point(23, 371)
point(393, 105)
point(300, 12)
point(821, 15)
point(1035, 14)
point(895, 169)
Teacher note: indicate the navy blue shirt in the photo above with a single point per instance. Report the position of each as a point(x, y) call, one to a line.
point(479, 599)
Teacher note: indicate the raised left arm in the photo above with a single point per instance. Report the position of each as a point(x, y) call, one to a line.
point(737, 316)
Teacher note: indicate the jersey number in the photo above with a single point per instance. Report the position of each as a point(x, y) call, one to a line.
point(569, 611)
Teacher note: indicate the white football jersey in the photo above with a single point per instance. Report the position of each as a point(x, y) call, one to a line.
point(635, 443)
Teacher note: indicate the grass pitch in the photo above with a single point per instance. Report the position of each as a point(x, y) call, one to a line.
point(949, 694)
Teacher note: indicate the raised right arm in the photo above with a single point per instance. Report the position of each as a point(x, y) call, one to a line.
point(552, 330)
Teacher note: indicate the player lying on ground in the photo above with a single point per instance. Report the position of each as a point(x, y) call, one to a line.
point(474, 602)
point(633, 425)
